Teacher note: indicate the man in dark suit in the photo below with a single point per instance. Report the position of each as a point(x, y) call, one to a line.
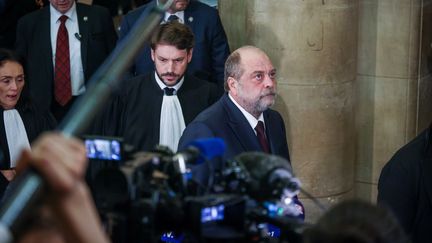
point(155, 108)
point(211, 46)
point(405, 186)
point(242, 117)
point(250, 82)
point(63, 45)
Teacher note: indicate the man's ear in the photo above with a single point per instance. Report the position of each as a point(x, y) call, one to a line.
point(232, 85)
point(190, 55)
point(152, 54)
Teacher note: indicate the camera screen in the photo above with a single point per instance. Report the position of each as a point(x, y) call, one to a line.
point(103, 149)
point(215, 213)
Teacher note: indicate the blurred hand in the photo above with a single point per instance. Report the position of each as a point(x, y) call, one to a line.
point(69, 209)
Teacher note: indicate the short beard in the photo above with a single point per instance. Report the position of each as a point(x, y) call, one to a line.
point(257, 107)
point(260, 107)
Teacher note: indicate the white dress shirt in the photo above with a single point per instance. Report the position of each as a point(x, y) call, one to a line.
point(171, 124)
point(77, 72)
point(249, 117)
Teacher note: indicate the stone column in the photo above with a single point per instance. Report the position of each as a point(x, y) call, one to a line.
point(390, 109)
point(313, 44)
point(425, 77)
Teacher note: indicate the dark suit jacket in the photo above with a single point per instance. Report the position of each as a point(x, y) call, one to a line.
point(12, 11)
point(225, 120)
point(98, 38)
point(211, 45)
point(135, 114)
point(405, 185)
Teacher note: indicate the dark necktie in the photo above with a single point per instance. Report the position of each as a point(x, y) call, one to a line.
point(169, 91)
point(262, 137)
point(172, 18)
point(62, 79)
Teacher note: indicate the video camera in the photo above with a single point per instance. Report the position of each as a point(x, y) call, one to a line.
point(154, 197)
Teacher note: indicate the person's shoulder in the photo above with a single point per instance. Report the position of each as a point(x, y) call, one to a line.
point(198, 82)
point(135, 13)
point(197, 5)
point(35, 15)
point(274, 114)
point(93, 9)
point(202, 10)
point(138, 82)
point(213, 114)
point(413, 152)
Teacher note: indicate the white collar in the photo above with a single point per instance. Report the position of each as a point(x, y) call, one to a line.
point(249, 117)
point(179, 14)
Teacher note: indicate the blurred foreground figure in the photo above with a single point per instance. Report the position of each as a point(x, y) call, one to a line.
point(356, 222)
point(405, 186)
point(68, 213)
point(21, 121)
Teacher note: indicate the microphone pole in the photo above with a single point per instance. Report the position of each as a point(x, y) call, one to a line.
point(29, 186)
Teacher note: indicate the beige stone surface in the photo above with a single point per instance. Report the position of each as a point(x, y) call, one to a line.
point(313, 212)
point(319, 120)
point(388, 88)
point(311, 43)
point(389, 38)
point(366, 191)
point(385, 121)
point(308, 41)
point(425, 102)
point(234, 15)
point(425, 82)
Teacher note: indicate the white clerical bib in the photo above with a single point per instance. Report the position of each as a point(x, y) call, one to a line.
point(171, 122)
point(16, 135)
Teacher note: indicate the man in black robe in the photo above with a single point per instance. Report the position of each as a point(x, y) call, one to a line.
point(155, 108)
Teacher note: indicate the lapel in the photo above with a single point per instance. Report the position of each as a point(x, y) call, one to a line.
point(271, 133)
point(47, 49)
point(83, 26)
point(240, 127)
point(187, 97)
point(189, 19)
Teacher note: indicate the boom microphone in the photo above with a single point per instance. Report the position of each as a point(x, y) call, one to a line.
point(29, 185)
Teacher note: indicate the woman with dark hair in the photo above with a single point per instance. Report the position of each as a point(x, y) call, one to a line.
point(20, 121)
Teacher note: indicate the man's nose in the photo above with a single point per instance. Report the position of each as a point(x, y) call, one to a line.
point(269, 82)
point(170, 67)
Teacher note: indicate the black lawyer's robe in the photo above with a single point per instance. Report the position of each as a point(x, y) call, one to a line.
point(135, 113)
point(35, 122)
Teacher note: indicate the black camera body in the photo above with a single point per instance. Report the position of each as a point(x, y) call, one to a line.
point(150, 198)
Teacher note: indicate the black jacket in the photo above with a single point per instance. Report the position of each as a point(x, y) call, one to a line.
point(405, 185)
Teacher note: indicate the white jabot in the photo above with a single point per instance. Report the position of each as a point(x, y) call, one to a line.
point(16, 135)
point(172, 121)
